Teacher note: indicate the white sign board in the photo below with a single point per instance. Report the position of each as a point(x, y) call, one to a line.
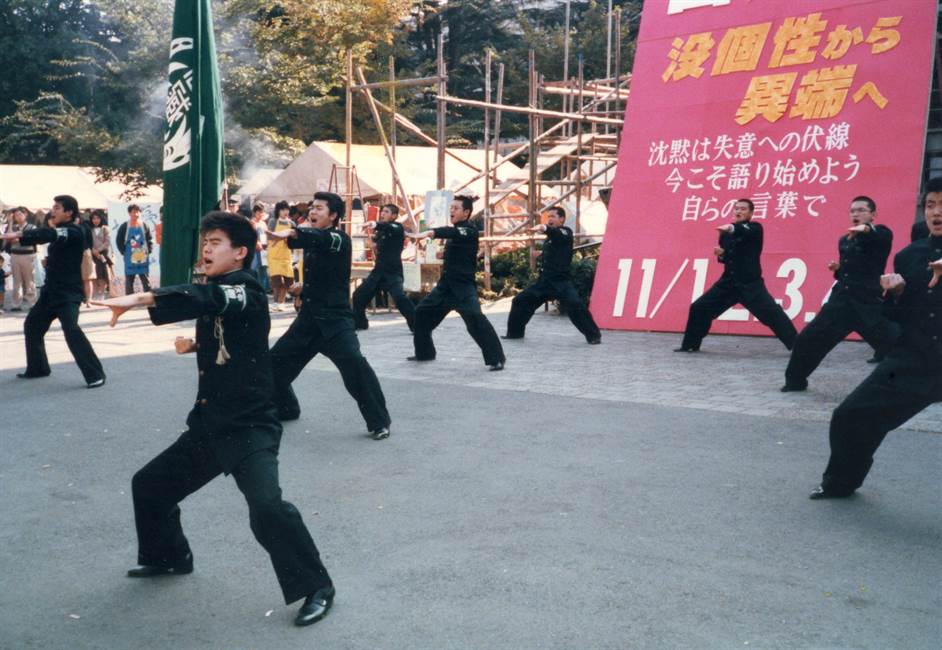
point(437, 206)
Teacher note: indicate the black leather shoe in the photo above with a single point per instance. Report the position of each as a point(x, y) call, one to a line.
point(597, 341)
point(496, 367)
point(28, 375)
point(315, 606)
point(96, 384)
point(414, 358)
point(507, 337)
point(380, 434)
point(147, 571)
point(686, 349)
point(794, 388)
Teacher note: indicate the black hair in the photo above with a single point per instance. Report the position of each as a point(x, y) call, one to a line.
point(68, 203)
point(932, 185)
point(282, 205)
point(238, 229)
point(467, 203)
point(392, 207)
point(752, 206)
point(132, 207)
point(100, 214)
point(335, 204)
point(560, 212)
point(871, 204)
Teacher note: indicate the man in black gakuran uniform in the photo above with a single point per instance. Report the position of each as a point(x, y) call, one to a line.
point(388, 238)
point(554, 282)
point(739, 249)
point(456, 290)
point(910, 377)
point(61, 295)
point(232, 428)
point(325, 323)
point(856, 301)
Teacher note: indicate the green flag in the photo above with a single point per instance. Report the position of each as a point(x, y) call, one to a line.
point(193, 147)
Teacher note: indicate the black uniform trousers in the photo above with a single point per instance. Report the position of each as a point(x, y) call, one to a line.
point(189, 464)
point(37, 323)
point(379, 280)
point(129, 282)
point(727, 293)
point(336, 340)
point(525, 303)
point(838, 318)
point(463, 298)
point(904, 384)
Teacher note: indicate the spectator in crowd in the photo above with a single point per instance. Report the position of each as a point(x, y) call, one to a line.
point(135, 243)
point(260, 263)
point(280, 266)
point(88, 262)
point(101, 253)
point(3, 279)
point(22, 259)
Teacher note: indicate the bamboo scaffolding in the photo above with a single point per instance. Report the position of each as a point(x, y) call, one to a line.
point(382, 135)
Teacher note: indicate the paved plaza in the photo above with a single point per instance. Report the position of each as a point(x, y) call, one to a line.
point(613, 496)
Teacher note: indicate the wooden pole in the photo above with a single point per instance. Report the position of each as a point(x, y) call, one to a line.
point(348, 189)
point(392, 122)
point(401, 83)
point(440, 117)
point(617, 68)
point(533, 152)
point(575, 116)
point(579, 152)
point(487, 169)
point(500, 100)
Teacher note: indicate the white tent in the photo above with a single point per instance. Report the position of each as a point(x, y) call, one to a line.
point(417, 166)
point(34, 186)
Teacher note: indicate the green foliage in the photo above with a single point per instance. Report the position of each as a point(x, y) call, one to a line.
point(510, 272)
point(85, 82)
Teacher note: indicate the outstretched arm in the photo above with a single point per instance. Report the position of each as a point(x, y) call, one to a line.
point(122, 304)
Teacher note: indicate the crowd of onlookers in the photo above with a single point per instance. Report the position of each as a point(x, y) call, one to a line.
point(129, 252)
point(277, 266)
point(22, 267)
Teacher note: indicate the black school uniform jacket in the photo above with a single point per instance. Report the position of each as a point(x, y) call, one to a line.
point(233, 408)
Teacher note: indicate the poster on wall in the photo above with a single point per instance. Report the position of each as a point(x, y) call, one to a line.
point(150, 215)
point(799, 107)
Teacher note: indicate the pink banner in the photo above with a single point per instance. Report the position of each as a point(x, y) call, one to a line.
point(798, 106)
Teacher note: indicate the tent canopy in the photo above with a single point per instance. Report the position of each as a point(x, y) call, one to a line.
point(417, 166)
point(34, 186)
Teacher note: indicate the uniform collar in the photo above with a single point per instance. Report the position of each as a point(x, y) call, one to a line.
point(240, 276)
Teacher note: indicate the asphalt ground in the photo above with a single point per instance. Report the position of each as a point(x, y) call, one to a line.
point(613, 496)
